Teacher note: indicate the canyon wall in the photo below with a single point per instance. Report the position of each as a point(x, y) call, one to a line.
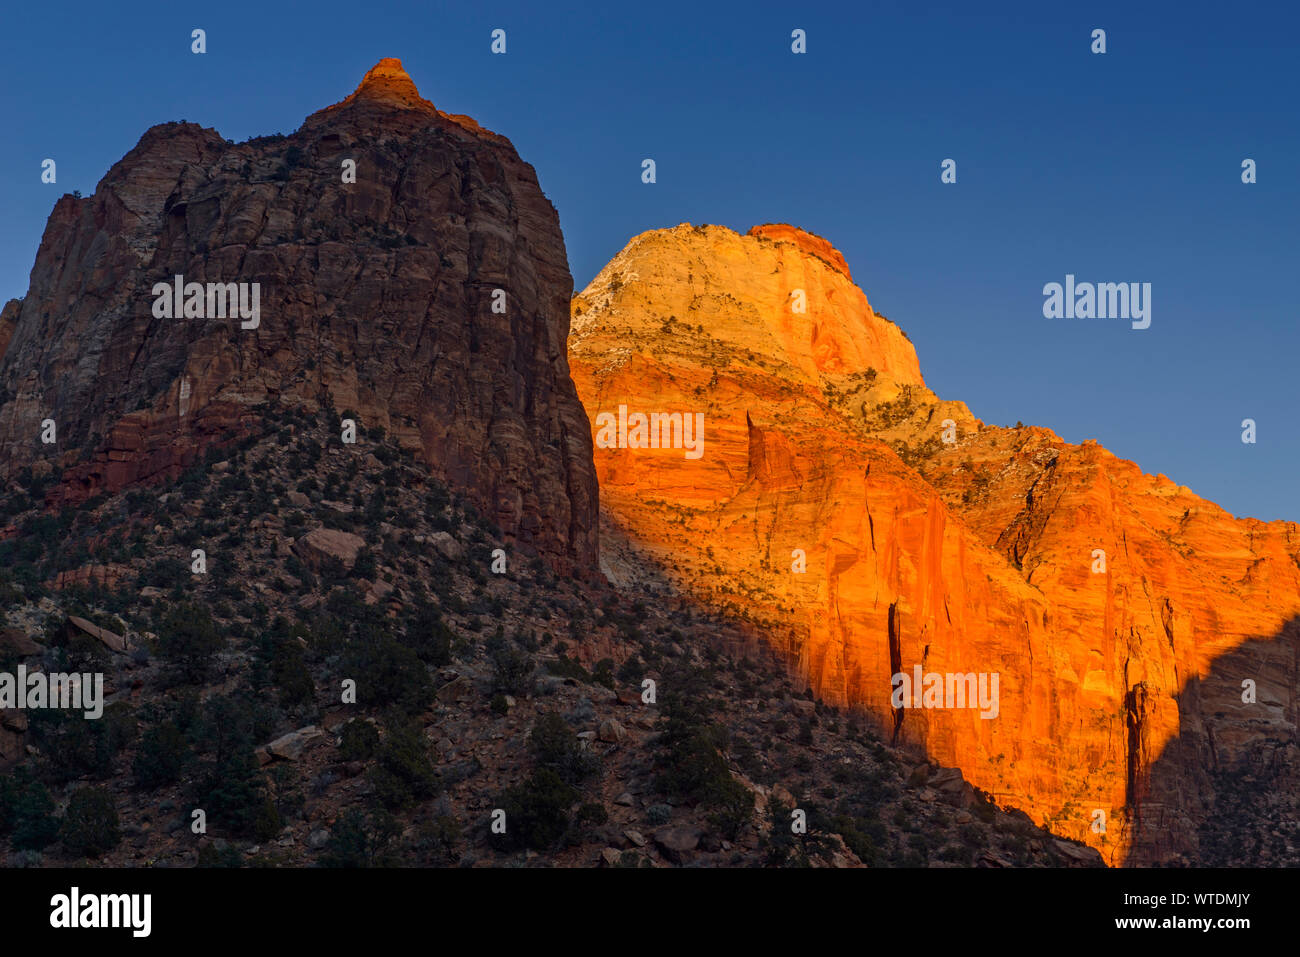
point(822, 446)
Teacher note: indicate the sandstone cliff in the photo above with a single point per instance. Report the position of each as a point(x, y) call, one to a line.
point(376, 296)
point(1121, 690)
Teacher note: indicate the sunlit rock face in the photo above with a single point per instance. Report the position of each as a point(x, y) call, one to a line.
point(426, 290)
point(826, 507)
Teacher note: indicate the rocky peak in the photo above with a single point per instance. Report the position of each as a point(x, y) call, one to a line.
point(779, 294)
point(386, 91)
point(375, 295)
point(387, 82)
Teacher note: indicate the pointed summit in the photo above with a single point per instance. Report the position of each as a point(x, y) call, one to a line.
point(386, 82)
point(389, 83)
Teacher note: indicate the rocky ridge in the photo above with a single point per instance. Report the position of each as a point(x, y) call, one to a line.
point(1121, 683)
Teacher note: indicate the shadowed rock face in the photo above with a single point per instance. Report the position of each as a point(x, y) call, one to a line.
point(1119, 688)
point(375, 296)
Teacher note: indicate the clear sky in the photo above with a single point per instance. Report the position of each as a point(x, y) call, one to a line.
point(1122, 167)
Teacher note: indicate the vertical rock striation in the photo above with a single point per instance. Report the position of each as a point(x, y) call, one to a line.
point(1120, 690)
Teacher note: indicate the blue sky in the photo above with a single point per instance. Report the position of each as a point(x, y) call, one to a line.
point(1117, 167)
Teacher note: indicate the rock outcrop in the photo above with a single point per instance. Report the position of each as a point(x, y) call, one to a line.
point(79, 626)
point(8, 320)
point(827, 508)
point(429, 295)
point(322, 545)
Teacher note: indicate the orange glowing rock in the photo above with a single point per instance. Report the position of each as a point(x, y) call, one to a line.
point(827, 509)
point(387, 82)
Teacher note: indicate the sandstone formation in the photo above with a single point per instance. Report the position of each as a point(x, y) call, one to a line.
point(376, 297)
point(1121, 686)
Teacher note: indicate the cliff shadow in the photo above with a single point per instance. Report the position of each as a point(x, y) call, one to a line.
point(1226, 790)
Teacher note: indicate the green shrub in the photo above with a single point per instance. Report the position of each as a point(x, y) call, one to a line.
point(290, 674)
point(957, 854)
point(71, 746)
point(556, 747)
point(435, 841)
point(358, 840)
point(227, 855)
point(358, 741)
point(33, 824)
point(397, 673)
point(537, 812)
point(233, 793)
point(160, 757)
point(90, 825)
point(189, 642)
point(603, 673)
point(365, 565)
point(630, 672)
point(733, 805)
point(858, 837)
point(403, 773)
point(512, 669)
point(691, 766)
point(430, 637)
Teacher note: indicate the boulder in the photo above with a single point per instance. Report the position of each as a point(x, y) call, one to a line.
point(15, 643)
point(111, 641)
point(321, 544)
point(459, 688)
point(1079, 853)
point(447, 546)
point(289, 747)
point(677, 841)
